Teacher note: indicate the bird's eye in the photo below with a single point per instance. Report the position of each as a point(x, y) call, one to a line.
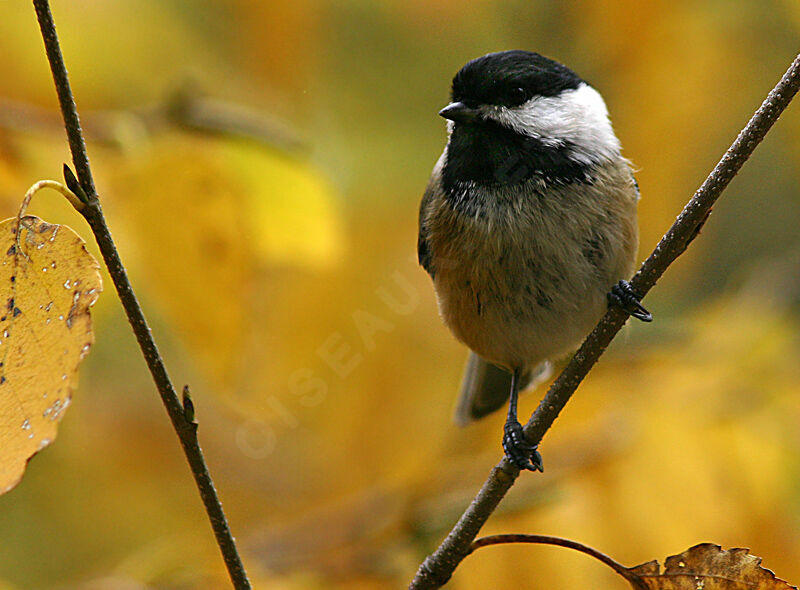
point(518, 94)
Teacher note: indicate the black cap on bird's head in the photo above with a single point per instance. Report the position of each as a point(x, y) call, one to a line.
point(521, 111)
point(506, 78)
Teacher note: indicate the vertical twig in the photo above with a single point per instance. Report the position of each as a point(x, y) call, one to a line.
point(185, 428)
point(440, 565)
point(65, 99)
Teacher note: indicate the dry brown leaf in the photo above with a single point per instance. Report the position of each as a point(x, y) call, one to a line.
point(48, 282)
point(709, 567)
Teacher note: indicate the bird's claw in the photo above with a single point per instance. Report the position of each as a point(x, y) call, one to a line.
point(518, 450)
point(623, 296)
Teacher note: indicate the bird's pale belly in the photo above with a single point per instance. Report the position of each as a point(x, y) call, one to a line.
point(508, 317)
point(523, 278)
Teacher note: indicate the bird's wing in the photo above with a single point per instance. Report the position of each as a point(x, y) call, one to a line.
point(424, 254)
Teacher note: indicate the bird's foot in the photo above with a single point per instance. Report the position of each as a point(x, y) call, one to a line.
point(518, 450)
point(622, 295)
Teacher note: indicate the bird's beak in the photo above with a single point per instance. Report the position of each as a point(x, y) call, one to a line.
point(459, 112)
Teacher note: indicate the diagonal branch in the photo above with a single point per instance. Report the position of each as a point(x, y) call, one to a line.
point(182, 420)
point(437, 568)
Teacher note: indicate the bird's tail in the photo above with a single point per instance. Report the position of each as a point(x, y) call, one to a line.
point(486, 387)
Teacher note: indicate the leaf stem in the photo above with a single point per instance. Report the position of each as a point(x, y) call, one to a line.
point(53, 184)
point(437, 568)
point(92, 212)
point(549, 540)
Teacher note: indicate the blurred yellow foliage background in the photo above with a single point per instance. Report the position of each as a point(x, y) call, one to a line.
point(272, 246)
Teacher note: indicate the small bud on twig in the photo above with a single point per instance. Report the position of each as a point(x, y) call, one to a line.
point(188, 405)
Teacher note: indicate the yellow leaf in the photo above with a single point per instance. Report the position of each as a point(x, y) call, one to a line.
point(49, 281)
point(290, 207)
point(209, 217)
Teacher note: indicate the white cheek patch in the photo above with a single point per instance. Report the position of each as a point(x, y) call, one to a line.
point(578, 118)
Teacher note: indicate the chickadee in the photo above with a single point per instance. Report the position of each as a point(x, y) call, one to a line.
point(527, 227)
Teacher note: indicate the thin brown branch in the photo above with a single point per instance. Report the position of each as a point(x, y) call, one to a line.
point(186, 108)
point(92, 212)
point(548, 540)
point(189, 109)
point(65, 98)
point(437, 568)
